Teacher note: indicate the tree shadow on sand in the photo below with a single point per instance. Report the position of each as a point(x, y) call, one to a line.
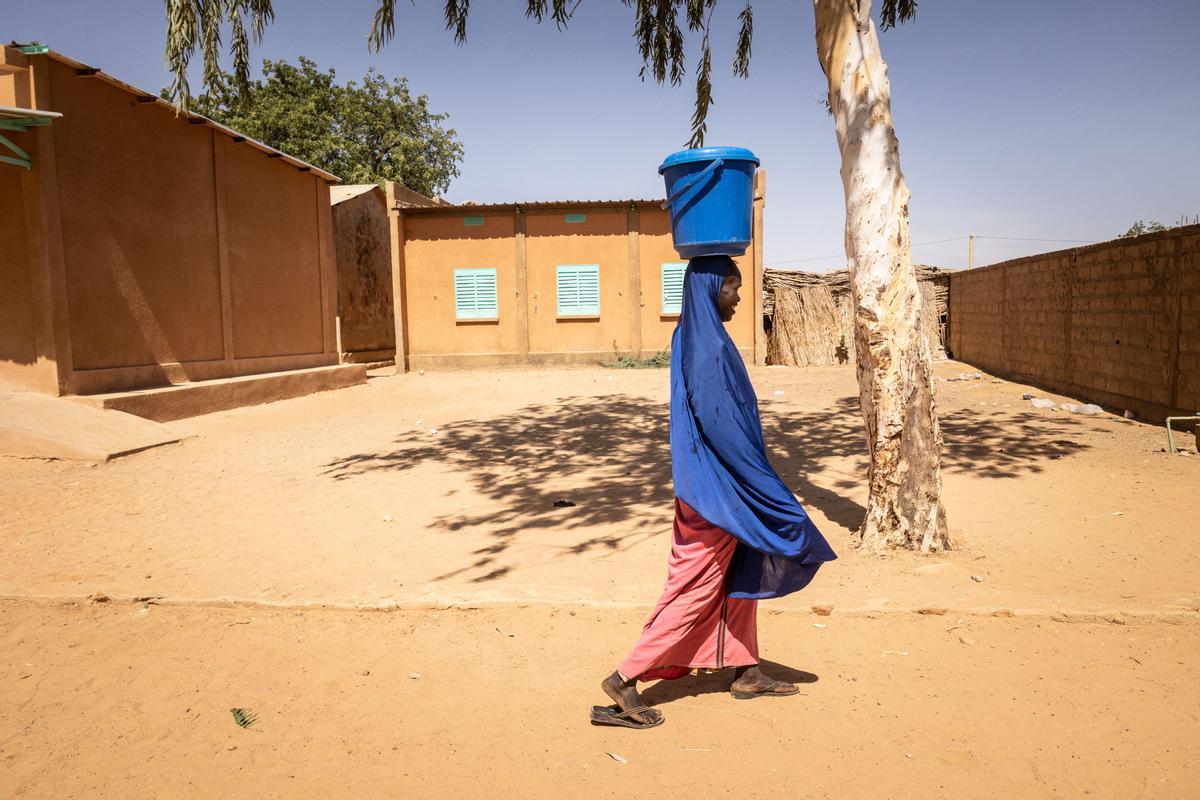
point(619, 445)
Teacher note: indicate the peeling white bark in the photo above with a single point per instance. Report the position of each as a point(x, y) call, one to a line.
point(895, 384)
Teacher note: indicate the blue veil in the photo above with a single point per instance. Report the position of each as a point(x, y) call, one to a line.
point(718, 457)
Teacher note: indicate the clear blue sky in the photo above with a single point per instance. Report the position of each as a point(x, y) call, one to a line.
point(1051, 119)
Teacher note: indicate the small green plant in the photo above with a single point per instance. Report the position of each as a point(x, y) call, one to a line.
point(243, 716)
point(659, 360)
point(1140, 227)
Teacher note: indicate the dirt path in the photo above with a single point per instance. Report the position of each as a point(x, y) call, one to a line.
point(435, 490)
point(120, 701)
point(441, 488)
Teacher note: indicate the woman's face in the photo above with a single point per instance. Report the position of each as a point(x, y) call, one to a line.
point(728, 299)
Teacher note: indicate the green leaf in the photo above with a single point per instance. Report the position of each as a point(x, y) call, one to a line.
point(741, 62)
point(703, 95)
point(243, 717)
point(367, 131)
point(893, 11)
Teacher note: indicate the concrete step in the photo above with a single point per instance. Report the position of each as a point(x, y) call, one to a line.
point(40, 426)
point(166, 403)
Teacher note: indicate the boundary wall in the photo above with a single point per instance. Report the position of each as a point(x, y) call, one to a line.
point(1116, 323)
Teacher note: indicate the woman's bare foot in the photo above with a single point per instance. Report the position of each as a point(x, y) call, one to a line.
point(752, 682)
point(625, 695)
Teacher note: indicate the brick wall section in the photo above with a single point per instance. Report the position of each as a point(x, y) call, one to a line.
point(1116, 324)
point(1187, 374)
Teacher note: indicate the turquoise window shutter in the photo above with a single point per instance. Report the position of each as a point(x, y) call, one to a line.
point(579, 290)
point(475, 294)
point(672, 286)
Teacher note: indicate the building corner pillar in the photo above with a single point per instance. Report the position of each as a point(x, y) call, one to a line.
point(399, 293)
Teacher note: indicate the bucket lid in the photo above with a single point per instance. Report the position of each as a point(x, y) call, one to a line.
point(708, 154)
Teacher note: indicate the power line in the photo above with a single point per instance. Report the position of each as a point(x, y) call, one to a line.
point(938, 241)
point(1028, 239)
point(821, 258)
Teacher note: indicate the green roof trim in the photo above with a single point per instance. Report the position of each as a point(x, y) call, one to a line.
point(18, 120)
point(22, 158)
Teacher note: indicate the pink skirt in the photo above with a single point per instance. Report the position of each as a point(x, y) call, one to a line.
point(695, 626)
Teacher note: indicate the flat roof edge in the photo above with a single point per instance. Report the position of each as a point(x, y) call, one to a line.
point(532, 207)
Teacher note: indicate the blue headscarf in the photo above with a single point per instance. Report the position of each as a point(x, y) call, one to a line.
point(718, 457)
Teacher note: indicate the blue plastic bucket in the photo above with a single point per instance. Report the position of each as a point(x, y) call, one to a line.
point(710, 194)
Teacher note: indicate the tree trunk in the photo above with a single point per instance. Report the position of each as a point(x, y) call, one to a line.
point(904, 508)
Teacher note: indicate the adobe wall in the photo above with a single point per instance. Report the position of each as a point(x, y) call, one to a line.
point(15, 88)
point(629, 245)
point(434, 246)
point(364, 288)
point(26, 334)
point(18, 351)
point(656, 248)
point(135, 190)
point(603, 239)
point(1116, 323)
point(273, 218)
point(174, 252)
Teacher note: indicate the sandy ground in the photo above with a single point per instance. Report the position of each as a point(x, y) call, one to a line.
point(423, 492)
point(120, 701)
point(441, 488)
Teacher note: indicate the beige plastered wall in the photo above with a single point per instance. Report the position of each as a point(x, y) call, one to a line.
point(434, 246)
point(1116, 323)
point(629, 245)
point(166, 251)
point(657, 249)
point(18, 350)
point(28, 346)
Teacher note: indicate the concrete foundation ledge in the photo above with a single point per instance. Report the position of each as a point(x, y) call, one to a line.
point(166, 403)
point(369, 357)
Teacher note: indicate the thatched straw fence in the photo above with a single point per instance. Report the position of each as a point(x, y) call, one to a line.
point(811, 318)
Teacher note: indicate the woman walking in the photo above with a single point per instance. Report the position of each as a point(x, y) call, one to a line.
point(740, 535)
